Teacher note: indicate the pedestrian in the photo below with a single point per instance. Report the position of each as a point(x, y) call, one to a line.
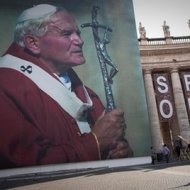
point(188, 150)
point(153, 155)
point(178, 146)
point(47, 114)
point(166, 153)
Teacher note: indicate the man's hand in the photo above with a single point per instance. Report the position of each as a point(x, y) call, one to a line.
point(109, 128)
point(121, 149)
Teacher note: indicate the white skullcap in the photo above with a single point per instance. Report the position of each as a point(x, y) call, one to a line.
point(37, 11)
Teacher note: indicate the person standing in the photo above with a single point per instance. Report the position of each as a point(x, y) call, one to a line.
point(166, 153)
point(153, 155)
point(178, 146)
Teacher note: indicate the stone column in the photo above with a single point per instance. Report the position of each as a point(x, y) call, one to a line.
point(181, 110)
point(156, 136)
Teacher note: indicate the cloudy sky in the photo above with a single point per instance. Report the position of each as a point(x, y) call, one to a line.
point(152, 13)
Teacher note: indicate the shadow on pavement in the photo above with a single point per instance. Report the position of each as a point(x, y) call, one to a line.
point(34, 178)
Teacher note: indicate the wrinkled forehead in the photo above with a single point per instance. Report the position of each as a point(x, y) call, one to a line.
point(63, 19)
point(62, 15)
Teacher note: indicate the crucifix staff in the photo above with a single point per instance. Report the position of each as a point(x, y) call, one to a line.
point(104, 59)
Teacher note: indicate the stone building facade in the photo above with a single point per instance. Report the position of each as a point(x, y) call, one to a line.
point(166, 71)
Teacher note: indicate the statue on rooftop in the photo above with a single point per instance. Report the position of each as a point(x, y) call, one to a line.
point(142, 31)
point(166, 30)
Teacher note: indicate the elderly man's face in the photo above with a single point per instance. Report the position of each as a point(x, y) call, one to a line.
point(61, 47)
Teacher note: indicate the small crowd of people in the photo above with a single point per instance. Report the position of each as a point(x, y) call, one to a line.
point(180, 152)
point(164, 155)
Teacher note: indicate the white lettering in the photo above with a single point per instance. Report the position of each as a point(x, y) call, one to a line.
point(160, 80)
point(164, 115)
point(187, 82)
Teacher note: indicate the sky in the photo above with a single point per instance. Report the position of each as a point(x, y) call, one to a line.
point(153, 13)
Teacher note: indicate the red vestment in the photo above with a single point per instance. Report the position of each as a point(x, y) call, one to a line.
point(34, 128)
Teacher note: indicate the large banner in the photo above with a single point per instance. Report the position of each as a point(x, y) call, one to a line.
point(164, 98)
point(35, 128)
point(185, 79)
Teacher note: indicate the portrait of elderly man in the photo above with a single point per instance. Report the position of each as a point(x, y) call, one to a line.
point(47, 114)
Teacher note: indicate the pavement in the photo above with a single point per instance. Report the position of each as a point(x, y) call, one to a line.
point(161, 176)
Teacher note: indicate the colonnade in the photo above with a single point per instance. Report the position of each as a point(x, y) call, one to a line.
point(179, 102)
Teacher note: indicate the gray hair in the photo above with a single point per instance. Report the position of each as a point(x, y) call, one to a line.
point(34, 21)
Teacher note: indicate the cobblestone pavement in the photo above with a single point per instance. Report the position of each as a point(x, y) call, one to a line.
point(161, 176)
